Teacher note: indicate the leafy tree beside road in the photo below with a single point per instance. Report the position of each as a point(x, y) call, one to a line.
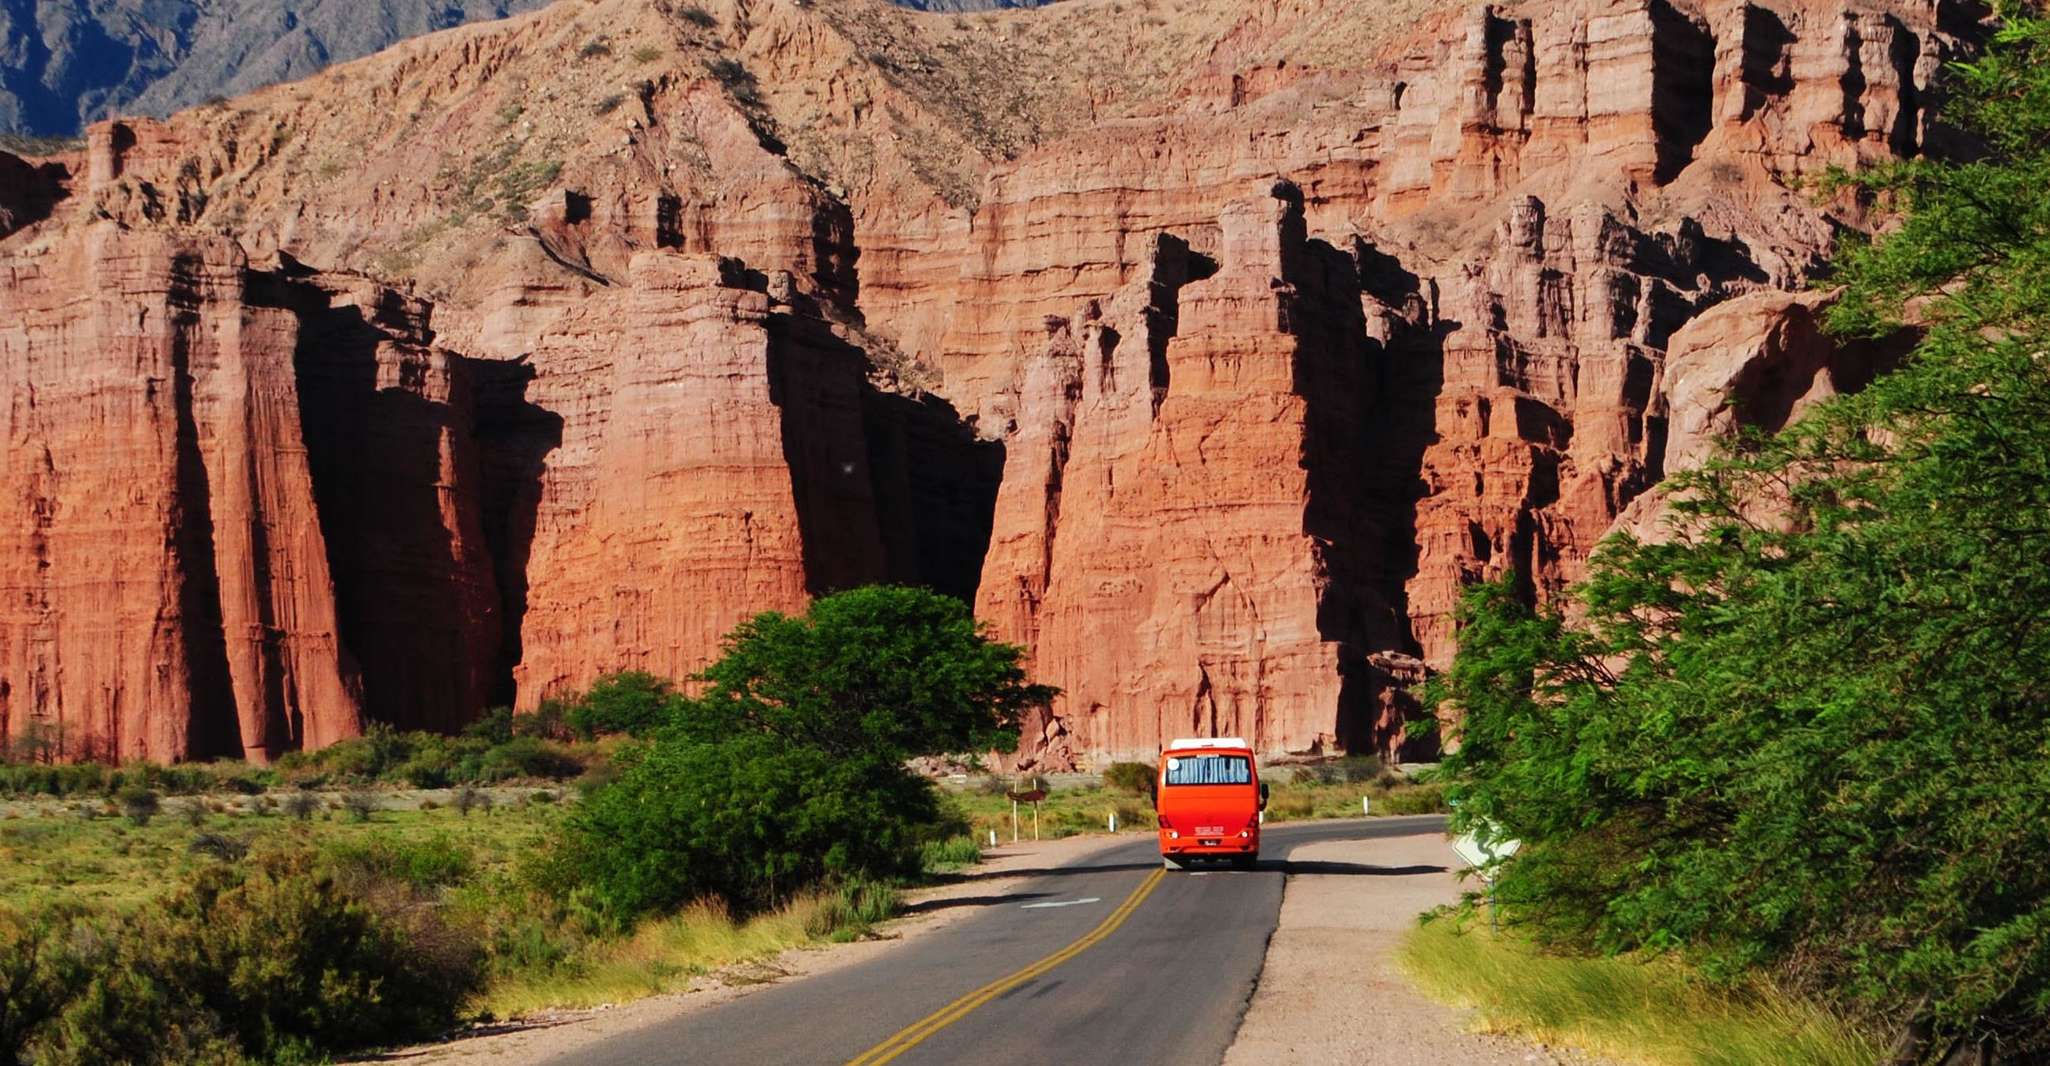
point(1810, 736)
point(789, 768)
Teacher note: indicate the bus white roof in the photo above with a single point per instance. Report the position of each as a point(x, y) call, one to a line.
point(1187, 743)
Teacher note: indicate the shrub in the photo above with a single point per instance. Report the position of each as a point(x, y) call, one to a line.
point(428, 770)
point(632, 702)
point(269, 960)
point(698, 17)
point(1134, 777)
point(647, 54)
point(527, 757)
point(138, 804)
point(593, 49)
point(850, 910)
point(194, 812)
point(217, 846)
point(609, 104)
point(468, 799)
point(432, 862)
point(549, 721)
point(1346, 770)
point(950, 853)
point(36, 978)
point(750, 821)
point(495, 727)
point(301, 805)
point(790, 770)
point(1427, 798)
point(247, 784)
point(360, 805)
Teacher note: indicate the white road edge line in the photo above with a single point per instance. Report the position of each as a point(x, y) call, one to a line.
point(1062, 903)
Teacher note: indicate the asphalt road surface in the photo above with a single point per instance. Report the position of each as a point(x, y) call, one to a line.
point(1108, 961)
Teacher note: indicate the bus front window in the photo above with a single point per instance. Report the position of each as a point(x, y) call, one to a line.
point(1209, 770)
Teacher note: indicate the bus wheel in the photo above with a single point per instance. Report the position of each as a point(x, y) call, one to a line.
point(1169, 862)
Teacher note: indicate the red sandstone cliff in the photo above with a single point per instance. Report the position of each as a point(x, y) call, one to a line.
point(674, 322)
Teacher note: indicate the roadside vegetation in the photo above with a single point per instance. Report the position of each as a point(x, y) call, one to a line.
point(1628, 1009)
point(1805, 743)
point(617, 844)
point(226, 914)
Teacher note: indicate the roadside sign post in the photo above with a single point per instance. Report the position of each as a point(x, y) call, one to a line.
point(1484, 853)
point(1033, 797)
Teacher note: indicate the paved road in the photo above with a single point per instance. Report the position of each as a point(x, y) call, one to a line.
point(1167, 984)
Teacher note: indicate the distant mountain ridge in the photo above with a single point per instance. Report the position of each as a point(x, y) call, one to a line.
point(67, 63)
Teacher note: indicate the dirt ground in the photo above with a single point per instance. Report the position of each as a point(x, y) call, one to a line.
point(1330, 991)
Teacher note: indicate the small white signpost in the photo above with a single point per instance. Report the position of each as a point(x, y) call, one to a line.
point(1484, 854)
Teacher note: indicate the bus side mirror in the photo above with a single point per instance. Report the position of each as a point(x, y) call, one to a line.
point(1263, 795)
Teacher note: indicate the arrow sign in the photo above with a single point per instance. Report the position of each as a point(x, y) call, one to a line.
point(1061, 903)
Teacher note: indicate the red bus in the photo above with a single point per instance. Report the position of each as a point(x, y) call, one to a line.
point(1209, 798)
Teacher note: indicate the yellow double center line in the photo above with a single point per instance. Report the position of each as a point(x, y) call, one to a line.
point(910, 1036)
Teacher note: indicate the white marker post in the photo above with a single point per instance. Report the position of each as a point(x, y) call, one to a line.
point(1113, 821)
point(1364, 809)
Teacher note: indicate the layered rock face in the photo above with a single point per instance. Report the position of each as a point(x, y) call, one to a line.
point(1196, 569)
point(704, 473)
point(260, 508)
point(1210, 363)
point(389, 421)
point(167, 589)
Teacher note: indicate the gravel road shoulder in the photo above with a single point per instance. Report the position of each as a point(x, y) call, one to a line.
point(1330, 991)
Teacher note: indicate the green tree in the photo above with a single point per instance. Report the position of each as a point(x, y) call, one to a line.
point(1810, 733)
point(631, 702)
point(789, 769)
point(885, 670)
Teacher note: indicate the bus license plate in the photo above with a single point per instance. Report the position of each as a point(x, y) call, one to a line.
point(1209, 830)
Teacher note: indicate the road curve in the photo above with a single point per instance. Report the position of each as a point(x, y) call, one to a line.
point(1163, 980)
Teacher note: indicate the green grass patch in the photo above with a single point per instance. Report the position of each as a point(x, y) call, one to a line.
point(1656, 1011)
point(952, 853)
point(664, 954)
point(105, 862)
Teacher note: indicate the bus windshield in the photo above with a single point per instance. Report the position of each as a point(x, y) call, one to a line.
point(1209, 770)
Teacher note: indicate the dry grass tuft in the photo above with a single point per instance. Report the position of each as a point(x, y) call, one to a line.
point(1654, 1012)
